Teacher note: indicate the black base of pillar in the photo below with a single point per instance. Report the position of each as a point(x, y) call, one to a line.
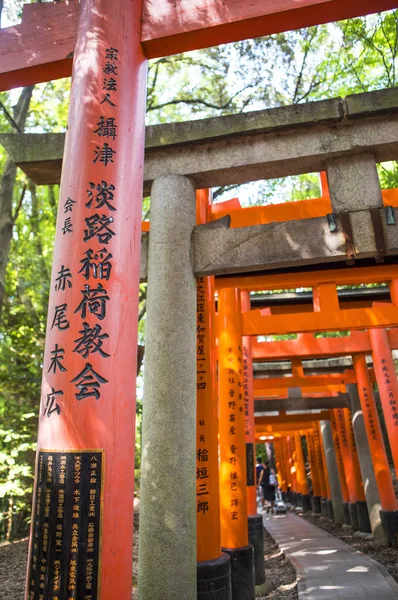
point(352, 507)
point(294, 499)
point(363, 517)
point(324, 507)
point(214, 579)
point(389, 520)
point(316, 505)
point(330, 510)
point(299, 501)
point(242, 572)
point(306, 502)
point(256, 539)
point(347, 518)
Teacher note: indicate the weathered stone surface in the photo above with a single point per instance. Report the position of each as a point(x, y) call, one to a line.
point(168, 503)
point(332, 469)
point(239, 148)
point(378, 102)
point(144, 257)
point(366, 464)
point(266, 246)
point(261, 121)
point(272, 404)
point(353, 183)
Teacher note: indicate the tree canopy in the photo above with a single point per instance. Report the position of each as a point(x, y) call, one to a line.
point(294, 67)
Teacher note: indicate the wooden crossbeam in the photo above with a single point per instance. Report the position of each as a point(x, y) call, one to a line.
point(307, 346)
point(287, 211)
point(283, 281)
point(328, 389)
point(264, 383)
point(283, 419)
point(41, 47)
point(254, 323)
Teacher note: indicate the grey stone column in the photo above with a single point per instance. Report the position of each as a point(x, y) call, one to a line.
point(332, 471)
point(365, 462)
point(167, 551)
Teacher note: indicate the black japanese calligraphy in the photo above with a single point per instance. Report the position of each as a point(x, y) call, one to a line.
point(91, 341)
point(68, 226)
point(64, 279)
point(69, 205)
point(97, 264)
point(101, 194)
point(60, 321)
point(99, 226)
point(57, 357)
point(104, 154)
point(88, 382)
point(94, 301)
point(51, 403)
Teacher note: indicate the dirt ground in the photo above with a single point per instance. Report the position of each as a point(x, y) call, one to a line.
point(279, 573)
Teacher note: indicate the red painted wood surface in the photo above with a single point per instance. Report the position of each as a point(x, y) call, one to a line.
point(40, 49)
point(307, 346)
point(182, 25)
point(99, 221)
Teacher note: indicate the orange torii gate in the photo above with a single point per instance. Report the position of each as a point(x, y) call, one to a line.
point(87, 414)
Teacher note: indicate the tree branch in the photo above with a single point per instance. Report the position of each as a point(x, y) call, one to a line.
point(19, 205)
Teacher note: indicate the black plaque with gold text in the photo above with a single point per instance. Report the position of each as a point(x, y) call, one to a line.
point(65, 553)
point(250, 468)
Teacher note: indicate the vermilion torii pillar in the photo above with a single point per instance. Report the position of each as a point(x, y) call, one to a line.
point(214, 567)
point(374, 435)
point(354, 491)
point(233, 489)
point(256, 530)
point(388, 386)
point(82, 525)
point(340, 466)
point(301, 474)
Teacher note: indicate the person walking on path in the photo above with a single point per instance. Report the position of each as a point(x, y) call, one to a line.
point(259, 472)
point(268, 483)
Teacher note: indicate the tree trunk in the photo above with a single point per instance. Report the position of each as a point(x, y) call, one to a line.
point(7, 184)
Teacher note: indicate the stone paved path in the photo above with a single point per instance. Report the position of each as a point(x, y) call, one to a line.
point(328, 569)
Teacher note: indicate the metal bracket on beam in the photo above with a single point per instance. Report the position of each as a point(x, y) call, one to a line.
point(332, 223)
point(379, 234)
point(390, 215)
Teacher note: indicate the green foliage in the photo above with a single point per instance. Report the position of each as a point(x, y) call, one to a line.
point(293, 67)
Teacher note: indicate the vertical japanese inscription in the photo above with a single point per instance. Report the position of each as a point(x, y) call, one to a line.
point(66, 535)
point(202, 344)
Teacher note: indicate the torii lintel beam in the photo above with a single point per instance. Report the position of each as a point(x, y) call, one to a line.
point(41, 47)
point(324, 415)
point(307, 346)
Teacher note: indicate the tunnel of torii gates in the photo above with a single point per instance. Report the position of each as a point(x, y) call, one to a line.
point(200, 535)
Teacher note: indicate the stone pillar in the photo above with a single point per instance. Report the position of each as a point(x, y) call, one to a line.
point(84, 487)
point(366, 464)
point(233, 489)
point(168, 505)
point(332, 471)
point(214, 566)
